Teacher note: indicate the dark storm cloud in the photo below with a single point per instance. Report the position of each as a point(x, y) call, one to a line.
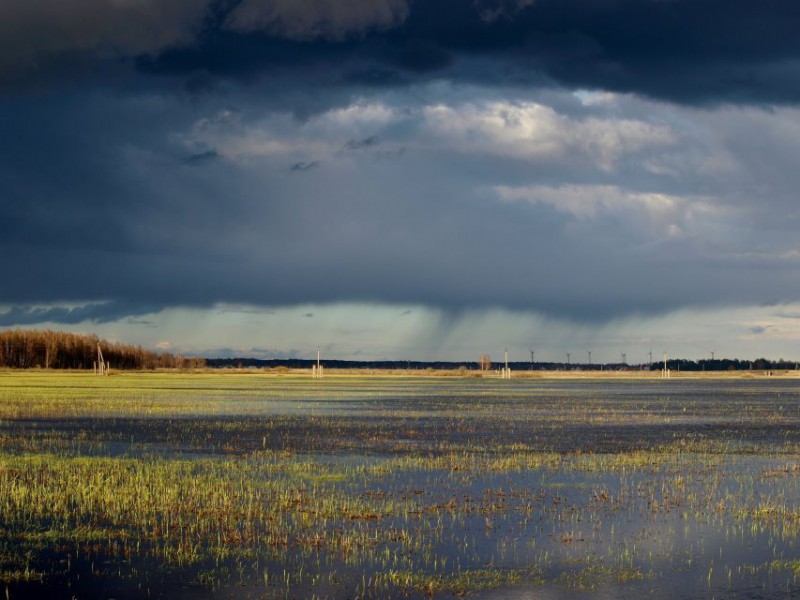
point(683, 50)
point(101, 312)
point(258, 235)
point(38, 35)
point(124, 218)
point(493, 197)
point(311, 19)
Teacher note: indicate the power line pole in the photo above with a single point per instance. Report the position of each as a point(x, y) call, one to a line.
point(316, 370)
point(101, 367)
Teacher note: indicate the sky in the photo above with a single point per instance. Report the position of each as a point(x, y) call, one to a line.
point(404, 179)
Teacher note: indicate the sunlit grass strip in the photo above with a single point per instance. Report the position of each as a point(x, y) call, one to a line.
point(470, 580)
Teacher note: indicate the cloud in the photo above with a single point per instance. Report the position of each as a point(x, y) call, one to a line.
point(251, 352)
point(525, 131)
point(243, 141)
point(788, 315)
point(299, 167)
point(511, 198)
point(95, 312)
point(310, 19)
point(533, 131)
point(491, 10)
point(360, 113)
point(263, 353)
point(367, 142)
point(655, 215)
point(243, 310)
point(142, 322)
point(201, 157)
point(764, 328)
point(279, 135)
point(35, 32)
point(660, 49)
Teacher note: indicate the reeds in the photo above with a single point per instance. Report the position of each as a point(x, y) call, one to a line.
point(370, 488)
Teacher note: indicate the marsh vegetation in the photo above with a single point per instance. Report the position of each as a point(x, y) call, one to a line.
point(256, 486)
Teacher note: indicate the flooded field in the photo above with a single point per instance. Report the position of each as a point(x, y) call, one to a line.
point(263, 486)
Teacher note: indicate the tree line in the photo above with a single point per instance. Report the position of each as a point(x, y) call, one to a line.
point(485, 363)
point(31, 349)
point(726, 364)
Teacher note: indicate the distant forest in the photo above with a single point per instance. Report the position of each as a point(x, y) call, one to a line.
point(35, 349)
point(31, 349)
point(727, 364)
point(720, 364)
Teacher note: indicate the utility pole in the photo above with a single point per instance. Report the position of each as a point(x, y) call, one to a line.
point(316, 370)
point(101, 367)
point(532, 361)
point(589, 352)
point(567, 359)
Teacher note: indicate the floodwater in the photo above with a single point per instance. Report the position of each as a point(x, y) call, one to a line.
point(519, 489)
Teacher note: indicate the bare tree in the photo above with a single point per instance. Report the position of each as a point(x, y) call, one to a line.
point(22, 349)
